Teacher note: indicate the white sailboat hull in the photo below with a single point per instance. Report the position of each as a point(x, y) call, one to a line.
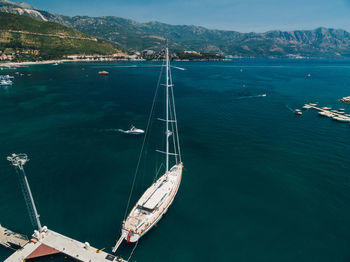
point(152, 205)
point(156, 200)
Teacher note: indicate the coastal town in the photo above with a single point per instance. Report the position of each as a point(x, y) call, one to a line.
point(29, 55)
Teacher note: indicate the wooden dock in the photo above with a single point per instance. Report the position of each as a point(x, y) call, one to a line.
point(11, 239)
point(50, 243)
point(326, 110)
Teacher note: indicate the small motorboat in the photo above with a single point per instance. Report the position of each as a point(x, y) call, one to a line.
point(326, 108)
point(6, 82)
point(263, 95)
point(341, 118)
point(6, 77)
point(103, 73)
point(298, 112)
point(323, 113)
point(306, 106)
point(134, 131)
point(329, 114)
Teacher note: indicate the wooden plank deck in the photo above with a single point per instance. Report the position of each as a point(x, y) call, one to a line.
point(11, 239)
point(65, 245)
point(325, 110)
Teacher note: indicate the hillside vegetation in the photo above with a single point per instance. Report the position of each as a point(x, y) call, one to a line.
point(47, 40)
point(131, 35)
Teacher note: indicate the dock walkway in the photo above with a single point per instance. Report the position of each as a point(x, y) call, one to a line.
point(50, 242)
point(325, 110)
point(11, 239)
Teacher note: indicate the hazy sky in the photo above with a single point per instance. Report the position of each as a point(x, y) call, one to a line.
point(238, 15)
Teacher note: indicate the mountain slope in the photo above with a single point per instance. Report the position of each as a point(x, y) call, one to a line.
point(49, 39)
point(130, 34)
point(321, 42)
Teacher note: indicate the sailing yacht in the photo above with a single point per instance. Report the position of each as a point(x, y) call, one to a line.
point(156, 200)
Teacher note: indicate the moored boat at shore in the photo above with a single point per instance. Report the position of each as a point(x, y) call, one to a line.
point(103, 73)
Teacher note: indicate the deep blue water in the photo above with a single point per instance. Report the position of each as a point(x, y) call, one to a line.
point(260, 183)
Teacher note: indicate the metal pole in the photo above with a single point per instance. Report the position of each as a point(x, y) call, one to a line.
point(18, 160)
point(167, 108)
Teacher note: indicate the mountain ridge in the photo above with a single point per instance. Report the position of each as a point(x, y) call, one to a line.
point(135, 36)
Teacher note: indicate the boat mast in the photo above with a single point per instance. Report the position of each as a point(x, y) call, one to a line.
point(19, 160)
point(167, 106)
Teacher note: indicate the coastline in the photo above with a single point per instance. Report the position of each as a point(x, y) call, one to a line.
point(11, 64)
point(27, 63)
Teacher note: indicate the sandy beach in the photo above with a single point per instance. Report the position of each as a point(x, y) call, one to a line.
point(12, 64)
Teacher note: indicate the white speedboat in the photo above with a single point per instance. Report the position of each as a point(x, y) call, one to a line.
point(323, 113)
point(156, 200)
point(329, 114)
point(6, 77)
point(6, 83)
point(326, 108)
point(306, 106)
point(134, 131)
point(341, 118)
point(298, 112)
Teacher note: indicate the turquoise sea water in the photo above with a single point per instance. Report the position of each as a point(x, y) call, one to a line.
point(260, 183)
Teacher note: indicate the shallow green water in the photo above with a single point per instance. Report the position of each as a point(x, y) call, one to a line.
point(260, 183)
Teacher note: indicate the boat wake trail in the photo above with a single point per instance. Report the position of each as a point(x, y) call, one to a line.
point(245, 97)
point(292, 110)
point(114, 130)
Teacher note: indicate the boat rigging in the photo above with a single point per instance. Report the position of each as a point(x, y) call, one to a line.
point(156, 200)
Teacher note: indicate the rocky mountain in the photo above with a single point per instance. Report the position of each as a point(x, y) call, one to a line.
point(20, 9)
point(131, 35)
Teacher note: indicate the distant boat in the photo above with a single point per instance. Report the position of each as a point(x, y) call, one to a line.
point(55, 64)
point(134, 131)
point(325, 113)
point(6, 82)
point(103, 73)
point(345, 99)
point(298, 112)
point(341, 118)
point(306, 106)
point(263, 95)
